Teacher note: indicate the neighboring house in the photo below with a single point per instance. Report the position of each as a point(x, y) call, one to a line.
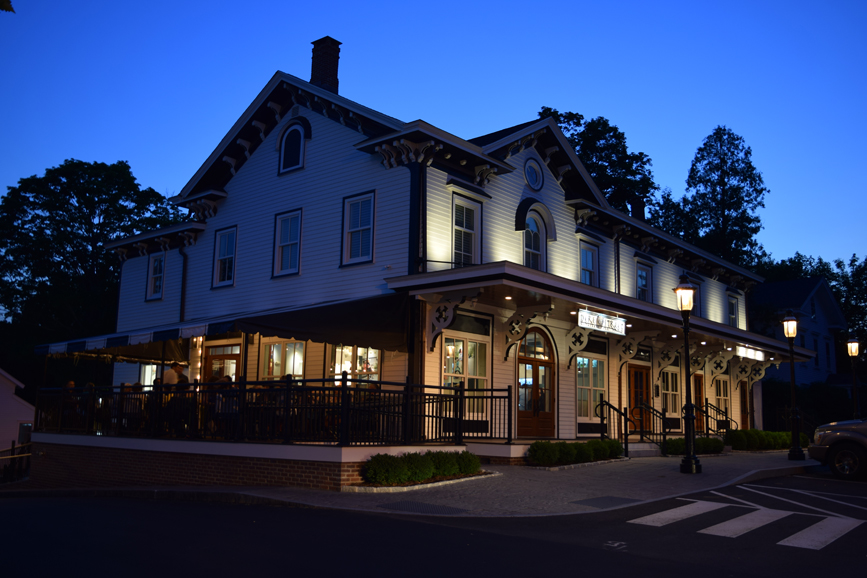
point(819, 320)
point(326, 237)
point(16, 415)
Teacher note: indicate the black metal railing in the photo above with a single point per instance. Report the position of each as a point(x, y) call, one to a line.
point(340, 411)
point(614, 421)
point(717, 421)
point(807, 421)
point(653, 425)
point(15, 463)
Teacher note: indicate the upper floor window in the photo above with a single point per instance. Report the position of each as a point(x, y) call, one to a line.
point(288, 249)
point(733, 311)
point(533, 174)
point(643, 279)
point(466, 237)
point(224, 258)
point(358, 229)
point(589, 265)
point(534, 243)
point(156, 275)
point(292, 148)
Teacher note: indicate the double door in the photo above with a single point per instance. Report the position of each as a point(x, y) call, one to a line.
point(535, 387)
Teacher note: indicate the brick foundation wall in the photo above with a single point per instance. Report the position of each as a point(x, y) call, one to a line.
point(503, 461)
point(68, 466)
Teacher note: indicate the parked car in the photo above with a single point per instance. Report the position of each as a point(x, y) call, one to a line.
point(842, 445)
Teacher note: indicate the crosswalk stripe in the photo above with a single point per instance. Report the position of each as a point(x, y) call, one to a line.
point(678, 514)
point(743, 524)
point(821, 533)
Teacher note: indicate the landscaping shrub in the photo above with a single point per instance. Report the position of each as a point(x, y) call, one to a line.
point(675, 446)
point(784, 439)
point(468, 463)
point(805, 440)
point(752, 440)
point(386, 469)
point(615, 448)
point(445, 463)
point(709, 446)
point(419, 467)
point(766, 440)
point(543, 453)
point(736, 439)
point(600, 450)
point(565, 453)
point(583, 453)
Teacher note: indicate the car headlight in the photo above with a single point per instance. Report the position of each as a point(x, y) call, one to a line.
point(817, 436)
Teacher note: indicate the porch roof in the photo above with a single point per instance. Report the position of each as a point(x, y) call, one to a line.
point(378, 321)
point(527, 287)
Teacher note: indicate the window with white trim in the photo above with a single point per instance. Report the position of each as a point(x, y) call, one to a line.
point(534, 242)
point(156, 275)
point(465, 358)
point(360, 363)
point(721, 391)
point(358, 229)
point(670, 381)
point(589, 264)
point(287, 252)
point(590, 384)
point(282, 359)
point(466, 232)
point(292, 149)
point(643, 282)
point(733, 311)
point(224, 258)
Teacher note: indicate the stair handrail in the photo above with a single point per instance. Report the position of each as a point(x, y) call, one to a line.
point(712, 412)
point(659, 436)
point(603, 410)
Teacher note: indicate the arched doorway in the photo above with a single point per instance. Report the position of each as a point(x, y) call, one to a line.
point(535, 386)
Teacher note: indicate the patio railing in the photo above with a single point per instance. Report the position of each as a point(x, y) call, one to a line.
point(339, 411)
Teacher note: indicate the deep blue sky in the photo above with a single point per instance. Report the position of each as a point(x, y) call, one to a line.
point(160, 83)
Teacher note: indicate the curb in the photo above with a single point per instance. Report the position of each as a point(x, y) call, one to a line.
point(584, 465)
point(398, 489)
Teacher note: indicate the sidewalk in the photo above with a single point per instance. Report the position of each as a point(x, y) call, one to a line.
point(518, 491)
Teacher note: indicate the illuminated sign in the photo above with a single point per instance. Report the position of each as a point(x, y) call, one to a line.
point(750, 353)
point(600, 322)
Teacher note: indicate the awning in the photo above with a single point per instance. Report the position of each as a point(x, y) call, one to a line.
point(378, 322)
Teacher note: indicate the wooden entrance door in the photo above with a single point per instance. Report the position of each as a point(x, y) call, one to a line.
point(639, 392)
point(745, 405)
point(698, 401)
point(535, 386)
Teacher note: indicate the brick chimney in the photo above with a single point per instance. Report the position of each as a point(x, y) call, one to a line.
point(323, 72)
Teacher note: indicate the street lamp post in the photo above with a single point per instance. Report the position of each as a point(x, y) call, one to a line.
point(853, 355)
point(790, 329)
point(685, 292)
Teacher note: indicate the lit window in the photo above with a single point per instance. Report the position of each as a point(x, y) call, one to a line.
point(466, 238)
point(534, 243)
point(721, 389)
point(590, 381)
point(292, 149)
point(360, 363)
point(466, 360)
point(643, 278)
point(589, 265)
point(288, 249)
point(358, 229)
point(156, 276)
point(281, 359)
point(224, 266)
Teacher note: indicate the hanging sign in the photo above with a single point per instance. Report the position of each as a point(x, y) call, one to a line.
point(600, 322)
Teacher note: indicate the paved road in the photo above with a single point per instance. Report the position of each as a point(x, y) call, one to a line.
point(130, 537)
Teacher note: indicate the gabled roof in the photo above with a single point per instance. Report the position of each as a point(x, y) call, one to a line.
point(15, 384)
point(266, 111)
point(487, 139)
point(796, 295)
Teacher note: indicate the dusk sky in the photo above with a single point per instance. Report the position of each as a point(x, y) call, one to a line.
point(158, 84)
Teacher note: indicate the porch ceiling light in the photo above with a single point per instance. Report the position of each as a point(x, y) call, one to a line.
point(508, 297)
point(790, 325)
point(573, 313)
point(853, 347)
point(685, 292)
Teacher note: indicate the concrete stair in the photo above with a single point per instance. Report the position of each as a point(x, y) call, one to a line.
point(643, 450)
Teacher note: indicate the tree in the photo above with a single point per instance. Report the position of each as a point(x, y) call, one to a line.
point(58, 280)
point(6, 6)
point(724, 191)
point(623, 177)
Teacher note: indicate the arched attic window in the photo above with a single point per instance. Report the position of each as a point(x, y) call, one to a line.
point(534, 242)
point(292, 144)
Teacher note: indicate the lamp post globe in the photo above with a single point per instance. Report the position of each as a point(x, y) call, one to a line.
point(852, 347)
point(685, 293)
point(790, 329)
